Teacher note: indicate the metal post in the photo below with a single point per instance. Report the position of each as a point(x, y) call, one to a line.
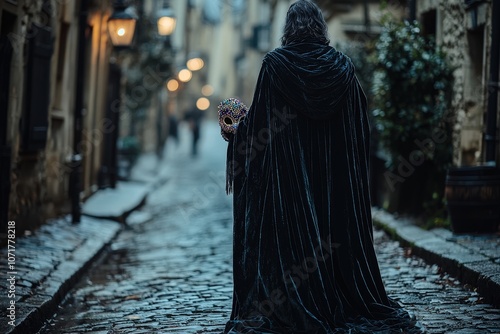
point(367, 16)
point(413, 10)
point(75, 187)
point(159, 127)
point(493, 85)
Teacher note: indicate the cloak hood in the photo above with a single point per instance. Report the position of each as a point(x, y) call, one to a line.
point(311, 76)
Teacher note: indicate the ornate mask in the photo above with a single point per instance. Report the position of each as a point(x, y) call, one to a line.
point(231, 112)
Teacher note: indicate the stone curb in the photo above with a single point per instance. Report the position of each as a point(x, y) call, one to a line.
point(90, 237)
point(117, 204)
point(467, 265)
point(60, 253)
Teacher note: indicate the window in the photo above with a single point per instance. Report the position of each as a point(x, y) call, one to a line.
point(61, 61)
point(429, 23)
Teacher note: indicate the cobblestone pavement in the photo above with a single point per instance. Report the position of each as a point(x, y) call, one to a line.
point(172, 274)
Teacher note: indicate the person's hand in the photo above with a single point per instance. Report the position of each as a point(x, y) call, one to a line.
point(226, 135)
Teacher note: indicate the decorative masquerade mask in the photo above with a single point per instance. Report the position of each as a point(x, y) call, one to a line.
point(231, 112)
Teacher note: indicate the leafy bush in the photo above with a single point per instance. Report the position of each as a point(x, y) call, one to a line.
point(412, 93)
point(359, 53)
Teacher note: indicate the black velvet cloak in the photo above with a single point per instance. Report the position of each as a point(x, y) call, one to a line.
point(303, 257)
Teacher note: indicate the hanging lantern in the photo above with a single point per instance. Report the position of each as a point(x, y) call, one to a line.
point(166, 22)
point(121, 24)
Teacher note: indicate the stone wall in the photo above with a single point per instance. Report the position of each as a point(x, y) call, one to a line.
point(467, 47)
point(40, 178)
point(453, 41)
point(28, 170)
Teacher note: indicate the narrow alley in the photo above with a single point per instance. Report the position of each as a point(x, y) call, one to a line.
point(172, 273)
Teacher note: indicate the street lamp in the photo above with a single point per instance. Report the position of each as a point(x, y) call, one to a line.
point(203, 103)
point(185, 75)
point(121, 24)
point(207, 90)
point(166, 21)
point(195, 64)
point(172, 85)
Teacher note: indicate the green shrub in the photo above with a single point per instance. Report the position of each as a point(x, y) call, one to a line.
point(412, 92)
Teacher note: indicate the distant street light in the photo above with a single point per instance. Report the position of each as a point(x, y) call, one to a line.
point(121, 24)
point(166, 21)
point(172, 85)
point(207, 90)
point(195, 64)
point(185, 75)
point(203, 103)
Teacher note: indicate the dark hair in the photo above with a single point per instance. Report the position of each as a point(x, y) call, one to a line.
point(304, 22)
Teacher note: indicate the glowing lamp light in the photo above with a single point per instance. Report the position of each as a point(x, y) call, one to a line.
point(185, 75)
point(121, 24)
point(172, 85)
point(166, 22)
point(207, 90)
point(203, 103)
point(195, 64)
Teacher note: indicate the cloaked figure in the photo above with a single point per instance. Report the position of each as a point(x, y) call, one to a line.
point(303, 254)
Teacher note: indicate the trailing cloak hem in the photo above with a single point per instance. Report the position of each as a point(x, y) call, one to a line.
point(395, 321)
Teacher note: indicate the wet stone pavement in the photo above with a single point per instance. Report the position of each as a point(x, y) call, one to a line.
point(172, 272)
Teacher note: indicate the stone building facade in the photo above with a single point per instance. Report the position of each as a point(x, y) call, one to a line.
point(236, 44)
point(39, 50)
point(463, 29)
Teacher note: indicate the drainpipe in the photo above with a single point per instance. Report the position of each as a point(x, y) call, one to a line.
point(413, 10)
point(75, 186)
point(366, 10)
point(493, 86)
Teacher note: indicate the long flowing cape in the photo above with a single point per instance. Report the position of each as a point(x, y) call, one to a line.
point(304, 260)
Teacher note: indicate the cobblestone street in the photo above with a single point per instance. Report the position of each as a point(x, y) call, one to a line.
point(171, 273)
